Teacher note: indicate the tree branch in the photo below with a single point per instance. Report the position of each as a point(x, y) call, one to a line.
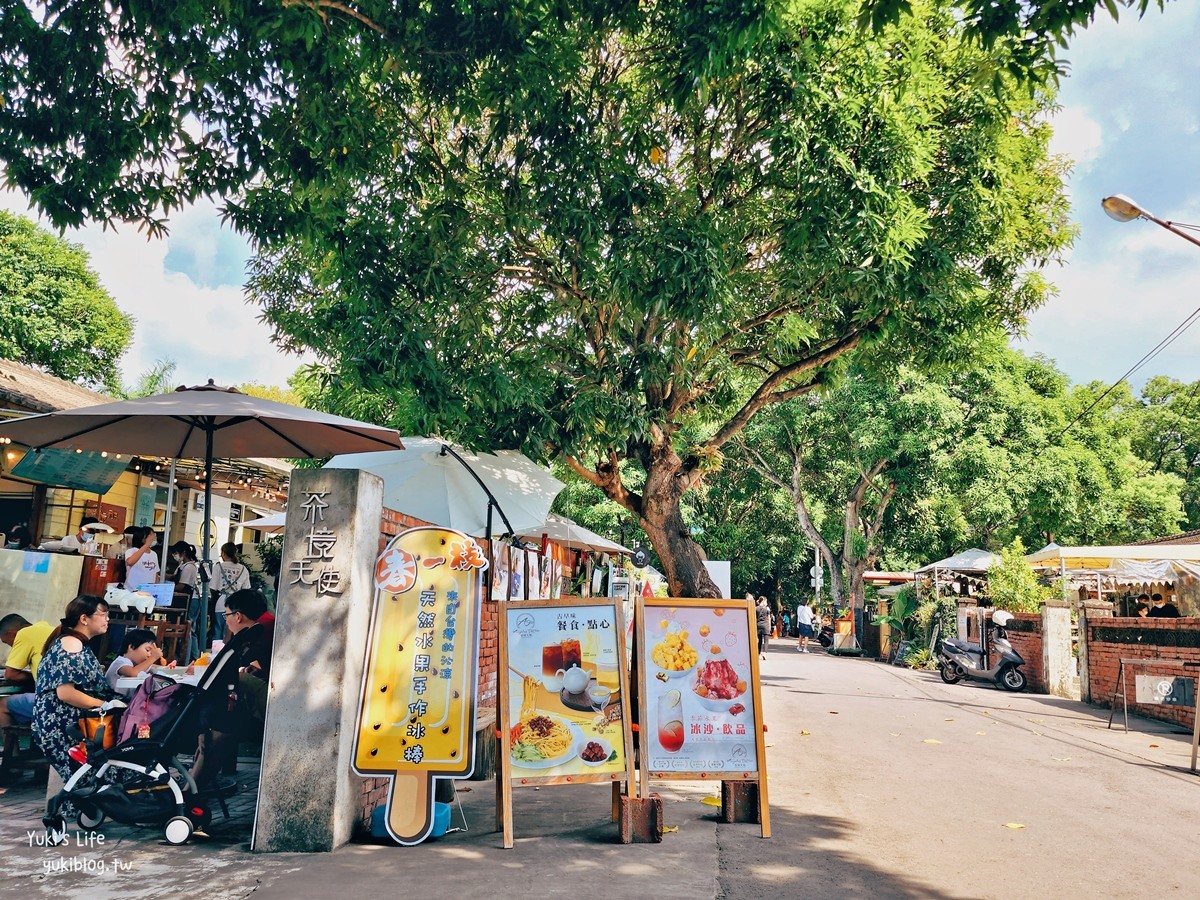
point(767, 392)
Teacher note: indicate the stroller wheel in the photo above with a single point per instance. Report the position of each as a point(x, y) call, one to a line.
point(177, 830)
point(89, 818)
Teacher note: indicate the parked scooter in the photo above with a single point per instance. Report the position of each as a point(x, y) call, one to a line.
point(993, 660)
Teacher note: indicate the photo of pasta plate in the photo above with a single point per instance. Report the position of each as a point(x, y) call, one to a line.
point(530, 748)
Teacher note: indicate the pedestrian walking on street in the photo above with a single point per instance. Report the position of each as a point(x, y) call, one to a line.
point(763, 613)
point(804, 624)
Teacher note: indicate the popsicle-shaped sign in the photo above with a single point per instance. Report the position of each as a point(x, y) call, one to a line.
point(417, 715)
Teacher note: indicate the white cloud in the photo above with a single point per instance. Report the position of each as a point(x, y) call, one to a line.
point(207, 329)
point(1076, 135)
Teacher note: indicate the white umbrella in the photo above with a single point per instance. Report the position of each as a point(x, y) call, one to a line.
point(446, 485)
point(275, 522)
point(565, 531)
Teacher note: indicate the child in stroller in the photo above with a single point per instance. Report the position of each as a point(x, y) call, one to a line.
point(132, 782)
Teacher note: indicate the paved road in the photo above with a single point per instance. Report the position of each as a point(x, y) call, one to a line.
point(884, 783)
point(888, 783)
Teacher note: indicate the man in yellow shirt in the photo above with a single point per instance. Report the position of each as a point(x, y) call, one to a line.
point(21, 666)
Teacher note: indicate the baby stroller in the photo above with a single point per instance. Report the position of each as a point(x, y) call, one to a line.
point(132, 782)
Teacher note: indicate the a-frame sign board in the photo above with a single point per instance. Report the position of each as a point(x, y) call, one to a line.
point(563, 697)
point(701, 700)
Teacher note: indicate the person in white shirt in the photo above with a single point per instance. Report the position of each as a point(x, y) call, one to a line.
point(229, 575)
point(139, 651)
point(804, 622)
point(83, 541)
point(141, 565)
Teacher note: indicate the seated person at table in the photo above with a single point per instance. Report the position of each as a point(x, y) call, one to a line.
point(250, 644)
point(21, 666)
point(139, 651)
point(19, 537)
point(82, 541)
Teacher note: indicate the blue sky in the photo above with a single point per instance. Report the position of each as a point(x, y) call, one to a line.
point(1130, 119)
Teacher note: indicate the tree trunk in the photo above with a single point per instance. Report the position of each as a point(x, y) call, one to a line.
point(662, 520)
point(658, 511)
point(831, 560)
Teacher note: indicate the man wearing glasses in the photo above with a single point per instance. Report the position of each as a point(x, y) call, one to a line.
point(243, 716)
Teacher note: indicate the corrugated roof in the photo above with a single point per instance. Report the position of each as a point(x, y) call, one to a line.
point(27, 390)
point(1184, 537)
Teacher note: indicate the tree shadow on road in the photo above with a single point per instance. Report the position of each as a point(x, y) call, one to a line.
point(797, 862)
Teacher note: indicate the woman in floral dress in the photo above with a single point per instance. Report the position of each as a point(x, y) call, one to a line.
point(69, 680)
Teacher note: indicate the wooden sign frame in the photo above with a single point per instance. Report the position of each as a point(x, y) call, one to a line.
point(510, 617)
point(650, 612)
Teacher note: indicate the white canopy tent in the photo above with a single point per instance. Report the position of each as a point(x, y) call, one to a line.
point(1119, 565)
point(565, 531)
point(973, 563)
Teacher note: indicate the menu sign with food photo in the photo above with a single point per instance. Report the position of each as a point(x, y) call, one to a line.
point(701, 701)
point(417, 716)
point(566, 711)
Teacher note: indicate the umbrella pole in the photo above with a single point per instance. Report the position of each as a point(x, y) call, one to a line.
point(202, 619)
point(167, 516)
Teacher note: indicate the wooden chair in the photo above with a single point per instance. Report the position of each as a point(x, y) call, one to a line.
point(173, 639)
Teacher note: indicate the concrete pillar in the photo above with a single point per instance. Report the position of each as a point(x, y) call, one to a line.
point(1056, 650)
point(1089, 611)
point(307, 794)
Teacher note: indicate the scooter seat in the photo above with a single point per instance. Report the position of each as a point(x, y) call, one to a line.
point(963, 646)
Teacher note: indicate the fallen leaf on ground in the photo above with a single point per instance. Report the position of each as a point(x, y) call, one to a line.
point(1013, 825)
point(805, 733)
point(711, 801)
point(668, 829)
point(768, 745)
point(931, 741)
point(981, 733)
point(1154, 746)
point(833, 712)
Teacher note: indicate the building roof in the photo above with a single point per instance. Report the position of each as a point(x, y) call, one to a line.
point(26, 390)
point(1184, 537)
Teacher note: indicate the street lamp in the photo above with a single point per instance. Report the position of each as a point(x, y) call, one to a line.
point(1121, 208)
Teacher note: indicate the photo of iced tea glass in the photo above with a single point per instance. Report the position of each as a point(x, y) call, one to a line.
point(551, 666)
point(572, 654)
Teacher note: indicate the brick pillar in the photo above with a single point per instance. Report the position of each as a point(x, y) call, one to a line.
point(308, 797)
point(1089, 611)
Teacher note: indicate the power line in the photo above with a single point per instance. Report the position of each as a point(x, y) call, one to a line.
point(1158, 348)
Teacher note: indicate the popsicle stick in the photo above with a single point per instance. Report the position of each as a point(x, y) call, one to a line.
point(410, 812)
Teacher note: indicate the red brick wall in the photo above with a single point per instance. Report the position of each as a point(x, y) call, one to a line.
point(1025, 634)
point(1111, 640)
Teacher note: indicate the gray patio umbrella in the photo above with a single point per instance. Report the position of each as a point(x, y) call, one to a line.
point(202, 422)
